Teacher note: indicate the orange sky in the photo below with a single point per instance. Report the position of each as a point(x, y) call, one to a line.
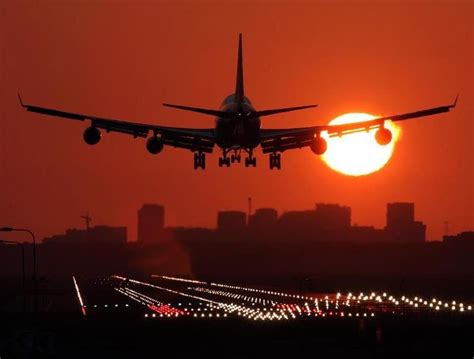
point(123, 59)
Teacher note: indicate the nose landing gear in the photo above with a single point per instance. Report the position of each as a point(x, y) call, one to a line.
point(235, 157)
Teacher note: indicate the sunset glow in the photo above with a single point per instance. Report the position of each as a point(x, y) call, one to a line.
point(359, 153)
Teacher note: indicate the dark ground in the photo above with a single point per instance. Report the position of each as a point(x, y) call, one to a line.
point(61, 331)
point(73, 336)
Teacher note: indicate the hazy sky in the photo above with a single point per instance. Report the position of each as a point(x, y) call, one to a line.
point(122, 59)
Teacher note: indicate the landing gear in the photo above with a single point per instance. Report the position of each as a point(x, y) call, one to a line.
point(250, 160)
point(275, 161)
point(235, 157)
point(224, 160)
point(199, 160)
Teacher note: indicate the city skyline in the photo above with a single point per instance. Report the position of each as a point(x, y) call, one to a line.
point(334, 220)
point(169, 220)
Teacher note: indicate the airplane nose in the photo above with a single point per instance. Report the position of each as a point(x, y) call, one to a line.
point(239, 130)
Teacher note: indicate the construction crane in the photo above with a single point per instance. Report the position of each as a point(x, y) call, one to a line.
point(87, 219)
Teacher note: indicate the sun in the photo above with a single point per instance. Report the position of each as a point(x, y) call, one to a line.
point(359, 153)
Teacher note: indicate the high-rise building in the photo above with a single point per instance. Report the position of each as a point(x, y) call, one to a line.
point(296, 225)
point(333, 217)
point(399, 214)
point(151, 222)
point(231, 223)
point(401, 225)
point(264, 219)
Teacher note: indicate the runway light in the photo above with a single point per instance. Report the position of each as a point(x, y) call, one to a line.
point(78, 292)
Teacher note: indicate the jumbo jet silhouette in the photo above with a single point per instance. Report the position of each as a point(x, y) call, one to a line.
point(237, 129)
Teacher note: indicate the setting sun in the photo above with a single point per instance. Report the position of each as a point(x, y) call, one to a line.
point(359, 153)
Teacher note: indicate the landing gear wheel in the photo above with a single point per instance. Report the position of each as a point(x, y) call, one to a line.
point(250, 161)
point(199, 160)
point(275, 161)
point(224, 161)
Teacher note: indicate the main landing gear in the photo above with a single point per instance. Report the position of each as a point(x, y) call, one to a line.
point(275, 161)
point(236, 157)
point(250, 160)
point(226, 161)
point(199, 160)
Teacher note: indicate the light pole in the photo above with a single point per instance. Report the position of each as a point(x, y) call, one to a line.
point(10, 229)
point(22, 269)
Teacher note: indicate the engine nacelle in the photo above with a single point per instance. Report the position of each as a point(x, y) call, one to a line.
point(383, 136)
point(154, 145)
point(92, 135)
point(319, 145)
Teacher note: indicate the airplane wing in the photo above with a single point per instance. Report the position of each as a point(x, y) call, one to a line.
point(279, 140)
point(188, 138)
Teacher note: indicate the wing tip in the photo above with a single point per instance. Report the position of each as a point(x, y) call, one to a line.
point(21, 101)
point(455, 101)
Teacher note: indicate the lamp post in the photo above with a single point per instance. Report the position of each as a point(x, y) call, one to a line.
point(10, 229)
point(22, 269)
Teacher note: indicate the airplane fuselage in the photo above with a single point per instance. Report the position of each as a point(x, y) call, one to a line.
point(238, 130)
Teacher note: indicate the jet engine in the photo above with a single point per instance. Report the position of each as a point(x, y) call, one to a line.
point(319, 145)
point(92, 135)
point(383, 136)
point(154, 145)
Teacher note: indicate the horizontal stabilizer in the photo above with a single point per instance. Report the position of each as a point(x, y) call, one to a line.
point(280, 110)
point(204, 111)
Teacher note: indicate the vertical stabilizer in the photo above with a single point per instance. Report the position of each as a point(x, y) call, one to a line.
point(239, 85)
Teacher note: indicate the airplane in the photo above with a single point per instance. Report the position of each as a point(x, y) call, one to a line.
point(237, 129)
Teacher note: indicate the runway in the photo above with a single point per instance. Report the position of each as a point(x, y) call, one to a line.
point(166, 297)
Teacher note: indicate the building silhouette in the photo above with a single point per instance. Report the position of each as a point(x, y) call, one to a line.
point(401, 225)
point(263, 220)
point(463, 237)
point(231, 224)
point(333, 216)
point(151, 222)
point(297, 225)
point(94, 235)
